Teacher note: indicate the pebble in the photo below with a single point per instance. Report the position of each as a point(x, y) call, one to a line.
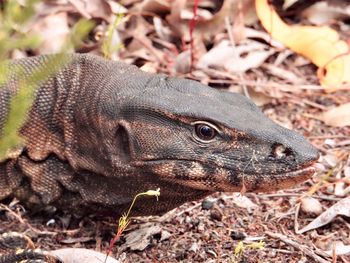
point(235, 235)
point(310, 205)
point(207, 204)
point(216, 214)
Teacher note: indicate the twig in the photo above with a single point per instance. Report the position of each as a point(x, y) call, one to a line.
point(297, 246)
point(329, 136)
point(189, 209)
point(344, 259)
point(296, 216)
point(24, 222)
point(235, 55)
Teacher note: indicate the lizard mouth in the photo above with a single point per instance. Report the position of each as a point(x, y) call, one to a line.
point(275, 182)
point(232, 182)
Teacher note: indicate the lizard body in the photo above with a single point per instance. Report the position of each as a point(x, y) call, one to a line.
point(99, 132)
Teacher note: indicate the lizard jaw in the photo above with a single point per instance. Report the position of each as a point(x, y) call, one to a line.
point(280, 181)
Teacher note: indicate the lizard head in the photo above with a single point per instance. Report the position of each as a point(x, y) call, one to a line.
point(192, 135)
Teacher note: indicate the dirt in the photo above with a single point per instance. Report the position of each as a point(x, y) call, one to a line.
point(224, 227)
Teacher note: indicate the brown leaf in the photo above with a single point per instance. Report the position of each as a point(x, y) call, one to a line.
point(81, 255)
point(93, 9)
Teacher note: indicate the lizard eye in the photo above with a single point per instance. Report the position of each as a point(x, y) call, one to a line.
point(205, 132)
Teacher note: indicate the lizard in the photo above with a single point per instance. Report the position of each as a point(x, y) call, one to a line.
point(101, 131)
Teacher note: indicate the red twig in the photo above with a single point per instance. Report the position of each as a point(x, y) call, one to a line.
point(114, 240)
point(192, 25)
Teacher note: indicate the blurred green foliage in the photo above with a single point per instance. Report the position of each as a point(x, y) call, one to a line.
point(13, 18)
point(14, 15)
point(108, 45)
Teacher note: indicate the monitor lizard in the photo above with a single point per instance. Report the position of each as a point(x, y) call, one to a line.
point(99, 132)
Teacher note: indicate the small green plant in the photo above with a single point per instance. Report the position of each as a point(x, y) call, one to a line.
point(241, 247)
point(107, 45)
point(13, 17)
point(124, 221)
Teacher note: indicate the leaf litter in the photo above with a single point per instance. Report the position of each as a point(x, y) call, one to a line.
point(154, 35)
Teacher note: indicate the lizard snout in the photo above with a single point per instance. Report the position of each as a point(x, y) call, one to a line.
point(308, 154)
point(295, 150)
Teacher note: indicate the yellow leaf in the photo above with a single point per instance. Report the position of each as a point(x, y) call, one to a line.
point(319, 44)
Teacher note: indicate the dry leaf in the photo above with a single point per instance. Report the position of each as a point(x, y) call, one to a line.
point(205, 28)
point(337, 117)
point(242, 201)
point(156, 6)
point(139, 239)
point(250, 54)
point(342, 207)
point(320, 44)
point(93, 9)
point(116, 8)
point(340, 249)
point(259, 97)
point(162, 31)
point(81, 255)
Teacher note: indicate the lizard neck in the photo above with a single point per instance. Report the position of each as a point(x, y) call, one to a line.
point(64, 116)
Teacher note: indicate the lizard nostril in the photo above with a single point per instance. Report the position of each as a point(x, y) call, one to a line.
point(280, 151)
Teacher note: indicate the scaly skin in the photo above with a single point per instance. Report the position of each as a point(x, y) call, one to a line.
point(100, 132)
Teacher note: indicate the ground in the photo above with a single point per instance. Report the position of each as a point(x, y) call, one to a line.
point(225, 227)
